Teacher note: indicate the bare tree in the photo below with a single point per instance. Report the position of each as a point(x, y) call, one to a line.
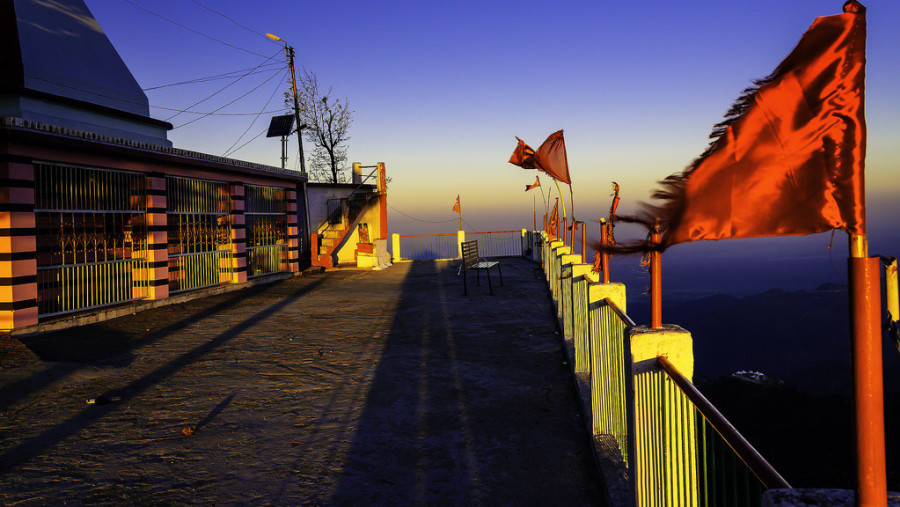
point(327, 128)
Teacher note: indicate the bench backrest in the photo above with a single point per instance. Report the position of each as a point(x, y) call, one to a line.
point(469, 253)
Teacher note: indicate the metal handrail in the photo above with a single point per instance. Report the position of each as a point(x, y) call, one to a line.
point(746, 452)
point(425, 235)
point(352, 193)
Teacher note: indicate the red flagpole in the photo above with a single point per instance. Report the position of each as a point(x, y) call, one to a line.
point(656, 279)
point(868, 382)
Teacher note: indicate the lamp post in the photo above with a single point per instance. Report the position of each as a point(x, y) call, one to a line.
point(289, 52)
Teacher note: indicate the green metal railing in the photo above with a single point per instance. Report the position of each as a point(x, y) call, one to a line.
point(564, 309)
point(724, 468)
point(680, 450)
point(580, 323)
point(609, 366)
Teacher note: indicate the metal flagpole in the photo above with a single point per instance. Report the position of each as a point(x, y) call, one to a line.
point(868, 383)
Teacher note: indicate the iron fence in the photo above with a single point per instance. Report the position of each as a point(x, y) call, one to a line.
point(429, 247)
point(680, 450)
point(724, 468)
point(609, 360)
point(266, 219)
point(199, 233)
point(498, 243)
point(91, 237)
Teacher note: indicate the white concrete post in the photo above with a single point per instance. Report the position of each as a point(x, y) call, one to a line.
point(460, 238)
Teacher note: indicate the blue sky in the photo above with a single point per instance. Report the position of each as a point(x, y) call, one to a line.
point(439, 89)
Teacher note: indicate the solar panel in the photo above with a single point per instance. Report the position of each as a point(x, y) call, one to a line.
point(281, 126)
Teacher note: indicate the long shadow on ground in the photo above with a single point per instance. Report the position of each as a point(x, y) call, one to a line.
point(471, 402)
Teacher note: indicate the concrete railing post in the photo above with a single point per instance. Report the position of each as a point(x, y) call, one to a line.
point(524, 242)
point(460, 238)
point(395, 246)
point(659, 407)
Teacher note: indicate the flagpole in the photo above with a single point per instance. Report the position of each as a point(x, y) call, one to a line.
point(868, 381)
point(572, 204)
point(564, 210)
point(534, 210)
point(655, 278)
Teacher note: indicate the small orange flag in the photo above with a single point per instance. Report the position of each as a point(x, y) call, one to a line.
point(456, 207)
point(537, 183)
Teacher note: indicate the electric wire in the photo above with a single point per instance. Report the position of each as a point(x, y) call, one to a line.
point(235, 22)
point(119, 99)
point(194, 31)
point(248, 142)
point(228, 151)
point(425, 221)
point(220, 90)
point(265, 68)
point(228, 104)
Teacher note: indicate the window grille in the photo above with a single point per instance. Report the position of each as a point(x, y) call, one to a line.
point(91, 237)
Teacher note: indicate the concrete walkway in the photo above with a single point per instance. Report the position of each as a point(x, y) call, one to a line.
point(348, 387)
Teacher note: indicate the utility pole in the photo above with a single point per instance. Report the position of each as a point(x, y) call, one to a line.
point(289, 52)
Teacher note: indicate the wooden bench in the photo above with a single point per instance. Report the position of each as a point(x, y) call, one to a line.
point(471, 260)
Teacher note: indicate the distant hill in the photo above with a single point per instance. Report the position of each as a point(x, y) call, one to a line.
point(801, 337)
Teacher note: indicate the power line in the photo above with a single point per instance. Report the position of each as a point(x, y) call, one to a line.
point(220, 90)
point(420, 220)
point(144, 104)
point(277, 87)
point(248, 142)
point(235, 22)
point(228, 104)
point(265, 68)
point(195, 31)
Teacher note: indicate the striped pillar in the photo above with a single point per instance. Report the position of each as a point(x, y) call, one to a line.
point(157, 254)
point(238, 234)
point(18, 246)
point(293, 233)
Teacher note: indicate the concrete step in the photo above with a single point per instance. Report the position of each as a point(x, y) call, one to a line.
point(332, 233)
point(327, 241)
point(323, 250)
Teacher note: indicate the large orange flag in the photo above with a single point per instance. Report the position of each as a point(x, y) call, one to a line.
point(550, 157)
point(790, 155)
point(456, 206)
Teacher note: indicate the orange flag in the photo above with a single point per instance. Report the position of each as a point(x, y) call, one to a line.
point(789, 158)
point(553, 225)
point(456, 207)
point(537, 183)
point(550, 157)
point(523, 156)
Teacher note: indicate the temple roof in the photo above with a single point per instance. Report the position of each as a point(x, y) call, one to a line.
point(55, 50)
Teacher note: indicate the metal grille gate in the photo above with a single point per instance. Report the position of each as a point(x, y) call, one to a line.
point(266, 218)
point(91, 237)
point(199, 233)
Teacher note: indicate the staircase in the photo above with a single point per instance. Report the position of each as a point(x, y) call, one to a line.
point(333, 236)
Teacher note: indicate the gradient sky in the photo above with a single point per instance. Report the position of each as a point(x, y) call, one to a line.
point(439, 89)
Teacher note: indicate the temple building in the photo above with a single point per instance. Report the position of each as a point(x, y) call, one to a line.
point(96, 206)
